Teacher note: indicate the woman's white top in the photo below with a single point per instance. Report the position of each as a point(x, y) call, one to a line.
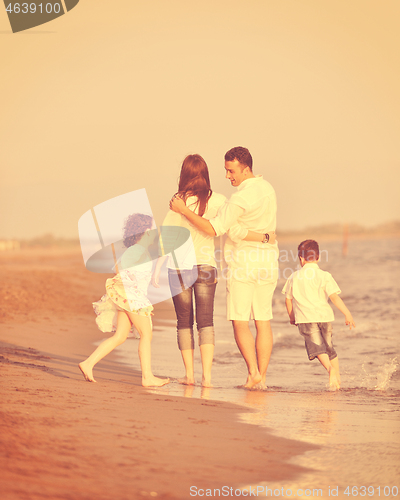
point(199, 249)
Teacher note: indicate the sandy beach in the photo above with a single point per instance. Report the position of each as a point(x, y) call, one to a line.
point(102, 102)
point(64, 438)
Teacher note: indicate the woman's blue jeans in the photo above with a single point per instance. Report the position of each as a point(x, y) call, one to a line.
point(200, 281)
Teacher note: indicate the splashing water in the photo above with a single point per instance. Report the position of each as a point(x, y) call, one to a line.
point(385, 375)
point(380, 381)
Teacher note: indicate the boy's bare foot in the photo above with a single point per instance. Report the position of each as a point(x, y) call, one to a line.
point(87, 372)
point(335, 365)
point(334, 383)
point(154, 381)
point(252, 380)
point(186, 381)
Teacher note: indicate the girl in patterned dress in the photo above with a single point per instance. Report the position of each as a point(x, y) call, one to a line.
point(125, 303)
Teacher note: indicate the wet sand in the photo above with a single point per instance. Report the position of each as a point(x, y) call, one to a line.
point(64, 438)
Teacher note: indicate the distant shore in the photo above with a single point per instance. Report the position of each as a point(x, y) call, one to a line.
point(328, 232)
point(288, 237)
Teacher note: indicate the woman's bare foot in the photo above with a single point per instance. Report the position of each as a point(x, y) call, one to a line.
point(87, 371)
point(206, 382)
point(154, 381)
point(186, 381)
point(205, 393)
point(253, 380)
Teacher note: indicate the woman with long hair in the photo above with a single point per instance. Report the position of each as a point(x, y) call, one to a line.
point(196, 276)
point(125, 303)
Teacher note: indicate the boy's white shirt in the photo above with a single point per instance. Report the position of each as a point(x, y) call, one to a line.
point(310, 288)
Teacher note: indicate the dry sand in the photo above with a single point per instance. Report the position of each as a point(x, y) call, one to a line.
point(64, 438)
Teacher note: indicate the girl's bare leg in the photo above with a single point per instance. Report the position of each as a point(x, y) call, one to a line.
point(119, 337)
point(143, 326)
point(207, 355)
point(188, 361)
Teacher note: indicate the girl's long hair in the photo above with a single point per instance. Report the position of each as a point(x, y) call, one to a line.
point(195, 181)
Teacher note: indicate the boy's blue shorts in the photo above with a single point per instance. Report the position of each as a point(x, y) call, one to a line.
point(318, 339)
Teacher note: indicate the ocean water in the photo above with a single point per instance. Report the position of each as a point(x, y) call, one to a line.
point(356, 429)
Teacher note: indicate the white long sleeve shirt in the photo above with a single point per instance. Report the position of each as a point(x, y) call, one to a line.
point(252, 207)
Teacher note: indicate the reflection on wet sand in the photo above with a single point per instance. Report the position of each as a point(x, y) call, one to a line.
point(355, 447)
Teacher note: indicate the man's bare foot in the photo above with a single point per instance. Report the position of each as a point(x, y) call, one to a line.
point(206, 382)
point(186, 381)
point(154, 381)
point(252, 380)
point(261, 386)
point(87, 372)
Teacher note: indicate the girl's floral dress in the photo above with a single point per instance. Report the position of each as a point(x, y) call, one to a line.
point(126, 291)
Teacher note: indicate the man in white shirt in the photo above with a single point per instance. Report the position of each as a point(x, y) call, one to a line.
point(252, 257)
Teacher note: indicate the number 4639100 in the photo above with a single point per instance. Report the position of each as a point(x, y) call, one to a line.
point(31, 8)
point(370, 491)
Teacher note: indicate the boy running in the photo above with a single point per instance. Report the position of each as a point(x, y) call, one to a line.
point(307, 292)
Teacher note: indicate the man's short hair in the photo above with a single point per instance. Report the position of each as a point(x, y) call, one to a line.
point(309, 250)
point(242, 155)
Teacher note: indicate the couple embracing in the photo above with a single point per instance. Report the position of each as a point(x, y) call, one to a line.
point(250, 251)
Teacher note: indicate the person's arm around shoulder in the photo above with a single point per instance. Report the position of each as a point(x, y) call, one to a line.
point(178, 205)
point(342, 308)
point(214, 203)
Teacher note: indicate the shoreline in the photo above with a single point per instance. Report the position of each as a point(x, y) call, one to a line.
point(65, 438)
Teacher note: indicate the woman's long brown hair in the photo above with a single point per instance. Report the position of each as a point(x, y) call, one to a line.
point(195, 181)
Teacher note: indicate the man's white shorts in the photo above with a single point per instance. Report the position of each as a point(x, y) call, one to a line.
point(250, 299)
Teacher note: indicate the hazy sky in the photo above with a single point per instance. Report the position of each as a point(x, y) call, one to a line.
point(112, 96)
